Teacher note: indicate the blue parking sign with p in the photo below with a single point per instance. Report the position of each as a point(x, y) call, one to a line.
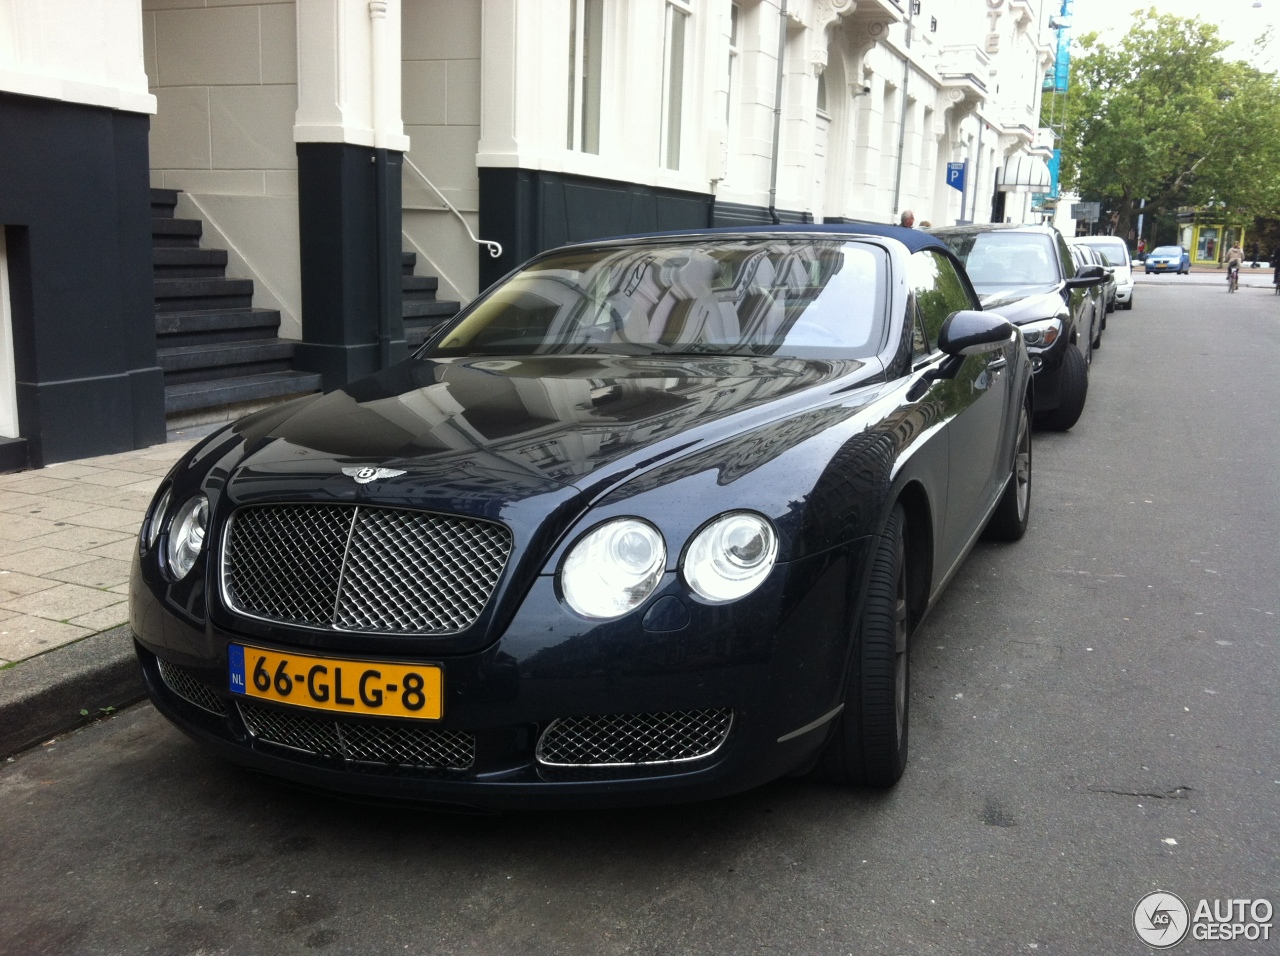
point(955, 175)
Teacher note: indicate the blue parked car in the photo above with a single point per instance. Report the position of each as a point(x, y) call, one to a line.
point(1169, 259)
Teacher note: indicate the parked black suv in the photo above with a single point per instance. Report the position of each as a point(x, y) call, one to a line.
point(1026, 274)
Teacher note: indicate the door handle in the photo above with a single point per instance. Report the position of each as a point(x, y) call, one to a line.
point(996, 364)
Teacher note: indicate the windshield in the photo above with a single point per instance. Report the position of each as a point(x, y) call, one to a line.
point(801, 298)
point(1006, 258)
point(1113, 253)
point(1168, 251)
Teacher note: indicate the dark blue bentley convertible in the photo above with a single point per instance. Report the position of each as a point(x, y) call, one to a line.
point(653, 519)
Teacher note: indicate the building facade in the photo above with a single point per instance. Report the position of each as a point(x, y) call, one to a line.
point(315, 141)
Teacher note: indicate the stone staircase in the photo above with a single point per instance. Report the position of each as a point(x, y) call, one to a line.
point(423, 312)
point(217, 351)
point(222, 357)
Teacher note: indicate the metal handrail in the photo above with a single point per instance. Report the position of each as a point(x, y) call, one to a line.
point(494, 247)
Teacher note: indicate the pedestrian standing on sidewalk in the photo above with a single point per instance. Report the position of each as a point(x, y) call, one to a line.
point(908, 219)
point(1275, 264)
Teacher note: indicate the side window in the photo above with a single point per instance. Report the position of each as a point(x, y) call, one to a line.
point(938, 291)
point(1064, 253)
point(919, 341)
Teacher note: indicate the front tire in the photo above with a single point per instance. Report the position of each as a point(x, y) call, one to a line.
point(869, 744)
point(1009, 520)
point(1073, 388)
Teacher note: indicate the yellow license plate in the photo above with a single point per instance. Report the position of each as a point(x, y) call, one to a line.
point(349, 687)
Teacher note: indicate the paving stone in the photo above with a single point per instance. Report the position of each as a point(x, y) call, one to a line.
point(120, 550)
point(34, 484)
point(91, 494)
point(14, 584)
point(25, 527)
point(110, 519)
point(43, 506)
point(98, 573)
point(147, 488)
point(61, 602)
point(170, 451)
point(102, 619)
point(40, 561)
point(108, 478)
point(22, 636)
point(71, 538)
point(16, 547)
point(66, 470)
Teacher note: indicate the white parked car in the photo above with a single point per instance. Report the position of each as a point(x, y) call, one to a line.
point(1115, 252)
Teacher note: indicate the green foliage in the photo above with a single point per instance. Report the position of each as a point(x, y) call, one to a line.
point(1162, 116)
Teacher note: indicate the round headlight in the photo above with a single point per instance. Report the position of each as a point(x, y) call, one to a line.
point(157, 520)
point(186, 535)
point(731, 556)
point(614, 568)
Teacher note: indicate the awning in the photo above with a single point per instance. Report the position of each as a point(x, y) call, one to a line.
point(1024, 174)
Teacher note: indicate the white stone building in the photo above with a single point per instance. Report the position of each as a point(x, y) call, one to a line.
point(284, 126)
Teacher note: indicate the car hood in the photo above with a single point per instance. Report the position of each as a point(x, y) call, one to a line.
point(1022, 304)
point(474, 435)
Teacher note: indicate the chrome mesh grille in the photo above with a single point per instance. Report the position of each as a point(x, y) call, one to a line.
point(362, 569)
point(410, 571)
point(408, 746)
point(618, 740)
point(390, 744)
point(283, 562)
point(190, 688)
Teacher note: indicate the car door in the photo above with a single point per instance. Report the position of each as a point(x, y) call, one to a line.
point(1079, 301)
point(974, 403)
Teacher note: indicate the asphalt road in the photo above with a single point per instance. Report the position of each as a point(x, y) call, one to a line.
point(1095, 716)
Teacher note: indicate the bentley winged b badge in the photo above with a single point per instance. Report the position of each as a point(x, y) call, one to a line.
point(365, 475)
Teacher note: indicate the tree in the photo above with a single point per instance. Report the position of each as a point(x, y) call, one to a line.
point(1240, 171)
point(1161, 116)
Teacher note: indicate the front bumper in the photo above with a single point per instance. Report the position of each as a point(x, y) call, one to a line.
point(775, 659)
point(1046, 367)
point(1163, 267)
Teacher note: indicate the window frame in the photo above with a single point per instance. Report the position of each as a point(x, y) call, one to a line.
point(586, 75)
point(673, 121)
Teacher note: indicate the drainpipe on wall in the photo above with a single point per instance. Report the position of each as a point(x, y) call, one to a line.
point(977, 171)
point(378, 45)
point(902, 118)
point(777, 114)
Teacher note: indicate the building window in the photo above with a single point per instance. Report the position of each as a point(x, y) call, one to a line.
point(678, 16)
point(730, 84)
point(586, 42)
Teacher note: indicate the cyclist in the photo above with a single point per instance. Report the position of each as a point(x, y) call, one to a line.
point(1235, 255)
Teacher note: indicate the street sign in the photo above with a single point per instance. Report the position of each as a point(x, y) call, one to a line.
point(955, 175)
point(1088, 211)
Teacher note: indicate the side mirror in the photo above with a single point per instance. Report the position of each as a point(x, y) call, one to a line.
point(974, 333)
point(1087, 276)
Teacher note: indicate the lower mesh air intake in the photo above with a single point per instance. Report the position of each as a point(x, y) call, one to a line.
point(622, 740)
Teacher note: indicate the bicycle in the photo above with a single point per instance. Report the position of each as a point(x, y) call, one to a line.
point(1233, 277)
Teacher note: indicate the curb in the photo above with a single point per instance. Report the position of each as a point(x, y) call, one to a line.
point(44, 696)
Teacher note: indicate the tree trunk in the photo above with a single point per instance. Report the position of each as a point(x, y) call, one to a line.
point(1124, 212)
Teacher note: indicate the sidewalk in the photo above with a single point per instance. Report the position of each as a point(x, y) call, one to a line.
point(67, 537)
point(1207, 275)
